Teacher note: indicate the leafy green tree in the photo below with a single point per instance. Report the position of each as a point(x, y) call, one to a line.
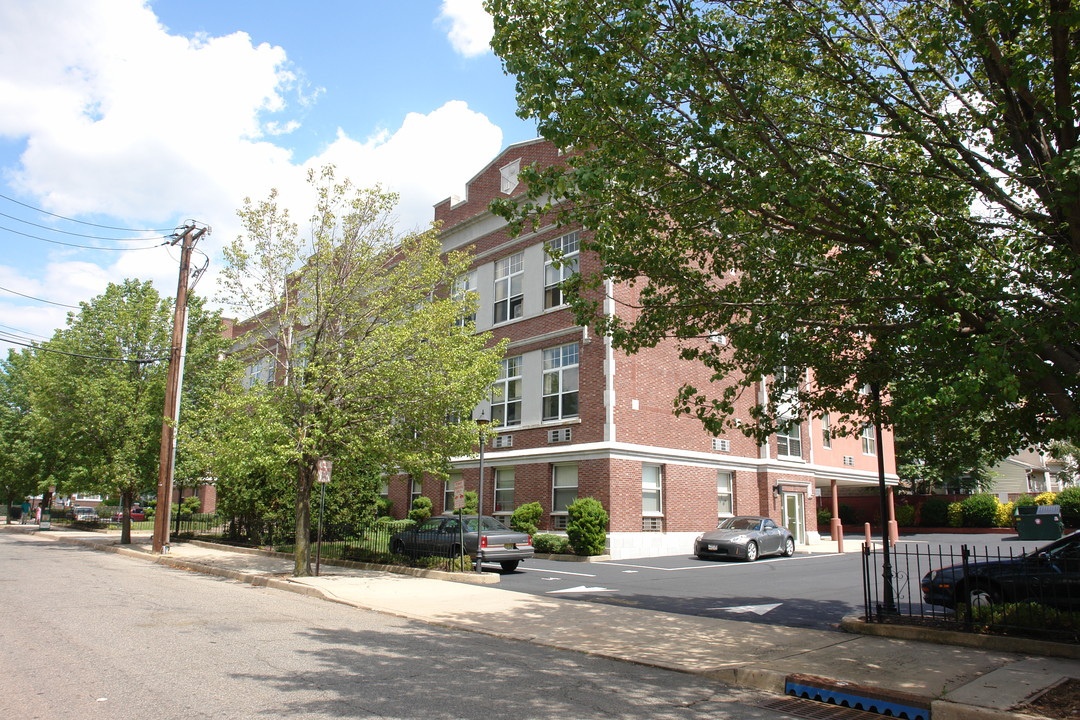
point(880, 192)
point(24, 462)
point(97, 389)
point(359, 338)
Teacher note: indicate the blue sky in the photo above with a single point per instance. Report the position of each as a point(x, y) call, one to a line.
point(141, 115)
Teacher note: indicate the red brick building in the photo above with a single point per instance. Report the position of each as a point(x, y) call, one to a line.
point(576, 418)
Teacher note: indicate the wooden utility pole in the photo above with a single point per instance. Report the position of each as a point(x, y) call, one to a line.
point(172, 391)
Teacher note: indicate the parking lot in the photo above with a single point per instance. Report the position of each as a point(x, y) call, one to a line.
point(807, 590)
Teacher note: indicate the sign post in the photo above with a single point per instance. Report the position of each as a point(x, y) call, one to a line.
point(324, 466)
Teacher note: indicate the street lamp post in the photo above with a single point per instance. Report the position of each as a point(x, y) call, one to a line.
point(481, 422)
point(888, 607)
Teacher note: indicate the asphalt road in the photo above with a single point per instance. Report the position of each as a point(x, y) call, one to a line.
point(91, 635)
point(813, 591)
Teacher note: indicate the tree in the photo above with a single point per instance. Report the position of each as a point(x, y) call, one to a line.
point(97, 389)
point(24, 462)
point(361, 342)
point(880, 192)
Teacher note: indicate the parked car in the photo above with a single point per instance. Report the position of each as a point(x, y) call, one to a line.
point(84, 514)
point(745, 536)
point(444, 536)
point(1049, 575)
point(138, 514)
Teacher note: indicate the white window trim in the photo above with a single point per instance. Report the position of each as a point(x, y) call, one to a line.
point(562, 270)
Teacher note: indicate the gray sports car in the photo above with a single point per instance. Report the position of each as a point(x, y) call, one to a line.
point(747, 537)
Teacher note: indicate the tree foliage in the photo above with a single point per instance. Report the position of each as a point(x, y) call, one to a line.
point(369, 360)
point(881, 192)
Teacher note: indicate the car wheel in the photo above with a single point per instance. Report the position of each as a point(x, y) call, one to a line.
point(751, 551)
point(509, 565)
point(789, 547)
point(397, 547)
point(982, 596)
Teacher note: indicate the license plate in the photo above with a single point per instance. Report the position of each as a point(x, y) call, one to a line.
point(510, 546)
point(712, 547)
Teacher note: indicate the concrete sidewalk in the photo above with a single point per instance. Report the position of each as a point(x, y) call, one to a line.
point(946, 681)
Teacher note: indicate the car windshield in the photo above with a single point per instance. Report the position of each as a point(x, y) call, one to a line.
point(739, 523)
point(489, 523)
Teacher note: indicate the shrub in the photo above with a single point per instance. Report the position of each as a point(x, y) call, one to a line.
point(383, 506)
point(1004, 516)
point(1046, 498)
point(824, 516)
point(551, 544)
point(472, 502)
point(905, 515)
point(1024, 501)
point(586, 526)
point(980, 510)
point(526, 517)
point(935, 512)
point(421, 509)
point(1069, 500)
point(955, 514)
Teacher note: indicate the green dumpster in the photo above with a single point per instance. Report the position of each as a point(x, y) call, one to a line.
point(1038, 522)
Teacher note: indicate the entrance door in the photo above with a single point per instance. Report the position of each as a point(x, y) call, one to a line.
point(795, 516)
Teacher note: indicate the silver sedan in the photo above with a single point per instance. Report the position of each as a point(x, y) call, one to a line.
point(747, 537)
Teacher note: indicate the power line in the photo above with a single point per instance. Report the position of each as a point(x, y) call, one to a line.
point(25, 332)
point(68, 232)
point(45, 348)
point(31, 297)
point(87, 247)
point(82, 222)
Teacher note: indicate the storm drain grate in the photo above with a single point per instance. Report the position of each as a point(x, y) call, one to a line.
point(846, 696)
point(815, 710)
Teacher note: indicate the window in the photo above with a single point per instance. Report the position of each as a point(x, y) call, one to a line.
point(504, 490)
point(789, 439)
point(559, 268)
point(506, 393)
point(826, 431)
point(448, 492)
point(462, 287)
point(561, 382)
point(384, 489)
point(509, 272)
point(650, 490)
point(869, 440)
point(563, 487)
point(415, 491)
point(724, 501)
point(261, 372)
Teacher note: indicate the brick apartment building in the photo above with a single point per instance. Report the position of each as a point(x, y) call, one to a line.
point(576, 418)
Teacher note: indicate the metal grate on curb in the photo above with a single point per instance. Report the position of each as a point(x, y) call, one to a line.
point(816, 710)
point(857, 697)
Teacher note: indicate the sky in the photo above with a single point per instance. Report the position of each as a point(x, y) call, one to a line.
point(121, 120)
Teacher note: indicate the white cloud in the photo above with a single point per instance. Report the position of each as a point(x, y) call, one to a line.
point(120, 118)
point(470, 26)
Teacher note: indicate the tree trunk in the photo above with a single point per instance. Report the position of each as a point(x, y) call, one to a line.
point(305, 475)
point(126, 496)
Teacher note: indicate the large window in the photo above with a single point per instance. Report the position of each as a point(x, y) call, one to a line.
point(651, 476)
point(869, 440)
point(826, 431)
point(448, 491)
point(789, 439)
point(415, 491)
point(506, 393)
point(562, 262)
point(561, 382)
point(724, 497)
point(462, 287)
point(261, 372)
point(563, 487)
point(509, 272)
point(504, 490)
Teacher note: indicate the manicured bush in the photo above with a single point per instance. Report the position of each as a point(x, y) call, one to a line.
point(551, 544)
point(1069, 500)
point(905, 515)
point(383, 506)
point(1004, 516)
point(1046, 498)
point(824, 517)
point(586, 526)
point(1024, 501)
point(934, 512)
point(955, 514)
point(421, 509)
point(980, 510)
point(526, 517)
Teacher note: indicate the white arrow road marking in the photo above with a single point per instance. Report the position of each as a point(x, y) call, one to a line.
point(582, 589)
point(631, 572)
point(756, 609)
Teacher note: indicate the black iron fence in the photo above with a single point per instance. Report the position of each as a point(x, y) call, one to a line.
point(972, 589)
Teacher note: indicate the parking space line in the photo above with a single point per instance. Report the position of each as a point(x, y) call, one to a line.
point(556, 572)
point(762, 561)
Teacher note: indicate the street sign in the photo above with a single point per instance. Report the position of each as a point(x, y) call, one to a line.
point(324, 467)
point(459, 493)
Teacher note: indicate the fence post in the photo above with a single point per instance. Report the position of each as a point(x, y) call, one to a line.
point(969, 621)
